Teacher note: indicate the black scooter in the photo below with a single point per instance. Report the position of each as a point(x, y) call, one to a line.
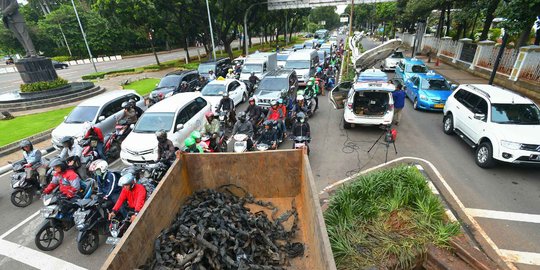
point(58, 213)
point(91, 220)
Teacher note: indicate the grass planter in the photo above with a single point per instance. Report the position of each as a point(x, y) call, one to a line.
point(386, 219)
point(58, 83)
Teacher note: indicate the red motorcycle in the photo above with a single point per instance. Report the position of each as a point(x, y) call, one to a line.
point(113, 142)
point(220, 146)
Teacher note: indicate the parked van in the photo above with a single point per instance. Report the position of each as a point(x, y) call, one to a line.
point(304, 63)
point(260, 63)
point(178, 115)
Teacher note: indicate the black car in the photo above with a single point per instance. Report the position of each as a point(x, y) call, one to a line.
point(274, 85)
point(59, 65)
point(172, 81)
point(219, 66)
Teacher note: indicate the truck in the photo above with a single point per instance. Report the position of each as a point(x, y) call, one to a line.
point(281, 177)
point(260, 63)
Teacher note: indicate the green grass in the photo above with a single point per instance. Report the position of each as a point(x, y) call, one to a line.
point(24, 126)
point(143, 87)
point(386, 219)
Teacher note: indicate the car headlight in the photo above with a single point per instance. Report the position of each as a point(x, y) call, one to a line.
point(510, 145)
point(423, 97)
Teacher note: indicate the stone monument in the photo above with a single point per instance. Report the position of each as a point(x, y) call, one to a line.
point(32, 68)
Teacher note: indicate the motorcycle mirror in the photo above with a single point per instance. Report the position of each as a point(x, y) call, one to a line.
point(179, 126)
point(132, 126)
point(101, 118)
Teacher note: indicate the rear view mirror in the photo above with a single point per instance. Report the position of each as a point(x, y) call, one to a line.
point(480, 116)
point(179, 126)
point(101, 118)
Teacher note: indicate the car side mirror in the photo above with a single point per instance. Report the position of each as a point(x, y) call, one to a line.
point(179, 127)
point(454, 87)
point(480, 116)
point(132, 126)
point(156, 84)
point(101, 118)
point(65, 117)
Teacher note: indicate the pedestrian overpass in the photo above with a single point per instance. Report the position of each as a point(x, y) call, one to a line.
point(292, 4)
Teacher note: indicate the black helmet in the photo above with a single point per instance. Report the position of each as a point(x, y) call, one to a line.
point(25, 143)
point(242, 116)
point(67, 140)
point(184, 83)
point(58, 163)
point(300, 115)
point(125, 105)
point(161, 135)
point(268, 123)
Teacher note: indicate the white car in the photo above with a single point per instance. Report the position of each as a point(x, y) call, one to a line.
point(178, 115)
point(364, 103)
point(100, 110)
point(500, 124)
point(392, 61)
point(213, 91)
point(282, 58)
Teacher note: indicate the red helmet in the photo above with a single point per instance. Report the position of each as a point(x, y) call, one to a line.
point(209, 114)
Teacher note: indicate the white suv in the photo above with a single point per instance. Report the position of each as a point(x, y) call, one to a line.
point(364, 103)
point(499, 124)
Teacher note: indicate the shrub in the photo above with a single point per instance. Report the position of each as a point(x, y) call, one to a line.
point(42, 86)
point(93, 76)
point(121, 71)
point(62, 58)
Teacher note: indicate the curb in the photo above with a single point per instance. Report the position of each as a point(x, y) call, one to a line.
point(8, 167)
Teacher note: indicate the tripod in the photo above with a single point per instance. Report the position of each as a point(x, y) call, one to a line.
point(388, 140)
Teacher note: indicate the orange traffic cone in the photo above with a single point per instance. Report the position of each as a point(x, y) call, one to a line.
point(437, 62)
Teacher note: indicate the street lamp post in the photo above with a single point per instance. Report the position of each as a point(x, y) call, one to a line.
point(246, 43)
point(211, 31)
point(84, 36)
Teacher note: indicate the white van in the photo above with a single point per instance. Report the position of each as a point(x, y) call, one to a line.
point(304, 63)
point(178, 115)
point(100, 110)
point(259, 63)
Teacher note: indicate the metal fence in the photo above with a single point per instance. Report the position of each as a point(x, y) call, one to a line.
point(448, 47)
point(507, 60)
point(531, 68)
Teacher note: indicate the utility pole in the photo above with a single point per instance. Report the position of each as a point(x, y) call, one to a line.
point(246, 37)
point(151, 38)
point(350, 35)
point(498, 59)
point(65, 40)
point(84, 36)
point(211, 31)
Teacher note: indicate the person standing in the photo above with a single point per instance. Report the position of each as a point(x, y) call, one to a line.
point(399, 103)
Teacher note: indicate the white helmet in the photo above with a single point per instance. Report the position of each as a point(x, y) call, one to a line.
point(99, 164)
point(126, 179)
point(87, 126)
point(299, 97)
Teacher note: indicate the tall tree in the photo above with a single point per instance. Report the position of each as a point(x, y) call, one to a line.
point(491, 6)
point(520, 16)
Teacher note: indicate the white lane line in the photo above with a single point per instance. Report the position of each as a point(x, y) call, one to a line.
point(34, 258)
point(530, 258)
point(513, 216)
point(19, 225)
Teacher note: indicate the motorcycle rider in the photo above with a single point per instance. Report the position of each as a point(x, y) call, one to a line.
point(107, 181)
point(312, 90)
point(253, 80)
point(227, 104)
point(183, 88)
point(268, 136)
point(65, 177)
point(276, 114)
point(32, 157)
point(301, 127)
point(254, 112)
point(133, 105)
point(196, 135)
point(72, 153)
point(166, 149)
point(244, 127)
point(238, 69)
point(133, 193)
point(191, 146)
point(299, 106)
point(230, 74)
point(211, 75)
point(94, 131)
point(211, 128)
point(129, 116)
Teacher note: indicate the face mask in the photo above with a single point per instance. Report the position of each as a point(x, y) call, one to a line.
point(98, 172)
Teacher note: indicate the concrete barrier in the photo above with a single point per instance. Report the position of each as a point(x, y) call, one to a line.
point(80, 62)
point(3, 70)
point(11, 69)
point(72, 63)
point(118, 57)
point(87, 61)
point(106, 59)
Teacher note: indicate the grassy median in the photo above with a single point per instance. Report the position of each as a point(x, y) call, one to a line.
point(143, 87)
point(24, 126)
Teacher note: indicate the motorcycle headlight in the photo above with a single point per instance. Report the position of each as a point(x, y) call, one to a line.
point(80, 217)
point(47, 211)
point(423, 97)
point(114, 233)
point(510, 145)
point(222, 117)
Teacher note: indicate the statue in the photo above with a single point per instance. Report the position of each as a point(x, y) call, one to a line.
point(14, 21)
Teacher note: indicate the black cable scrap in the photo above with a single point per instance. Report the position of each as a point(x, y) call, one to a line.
point(215, 230)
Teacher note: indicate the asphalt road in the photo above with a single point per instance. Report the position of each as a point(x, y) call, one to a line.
point(338, 153)
point(11, 81)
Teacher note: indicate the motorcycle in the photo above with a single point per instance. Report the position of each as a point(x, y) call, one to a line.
point(153, 99)
point(224, 120)
point(117, 228)
point(91, 220)
point(301, 142)
point(114, 140)
point(148, 174)
point(241, 142)
point(262, 147)
point(25, 189)
point(89, 152)
point(310, 101)
point(220, 146)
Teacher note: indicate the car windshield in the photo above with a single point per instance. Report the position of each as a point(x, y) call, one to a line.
point(248, 68)
point(519, 114)
point(417, 69)
point(282, 57)
point(213, 90)
point(153, 121)
point(435, 84)
point(169, 81)
point(205, 67)
point(82, 114)
point(297, 64)
point(397, 55)
point(273, 84)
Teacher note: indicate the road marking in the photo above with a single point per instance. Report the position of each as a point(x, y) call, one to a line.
point(19, 225)
point(513, 216)
point(34, 258)
point(530, 258)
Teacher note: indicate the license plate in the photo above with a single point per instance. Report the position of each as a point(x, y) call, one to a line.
point(535, 157)
point(299, 145)
point(438, 106)
point(112, 240)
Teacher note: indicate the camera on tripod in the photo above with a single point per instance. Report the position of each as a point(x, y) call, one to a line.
point(390, 134)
